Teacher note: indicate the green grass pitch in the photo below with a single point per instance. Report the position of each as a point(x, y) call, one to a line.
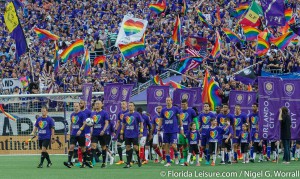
point(25, 167)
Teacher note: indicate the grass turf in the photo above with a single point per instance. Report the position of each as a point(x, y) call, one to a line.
point(25, 167)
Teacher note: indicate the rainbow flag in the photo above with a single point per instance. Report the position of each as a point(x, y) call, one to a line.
point(184, 8)
point(285, 29)
point(24, 81)
point(205, 86)
point(249, 88)
point(251, 33)
point(203, 19)
point(218, 15)
point(288, 13)
point(87, 67)
point(292, 20)
point(214, 98)
point(157, 80)
point(295, 41)
point(158, 8)
point(177, 31)
point(231, 35)
point(188, 63)
point(175, 85)
point(45, 34)
point(120, 60)
point(262, 46)
point(99, 60)
point(74, 50)
point(9, 116)
point(240, 10)
point(56, 58)
point(133, 49)
point(216, 51)
point(284, 40)
point(265, 35)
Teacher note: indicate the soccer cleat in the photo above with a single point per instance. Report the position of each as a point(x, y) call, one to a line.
point(247, 161)
point(296, 159)
point(274, 161)
point(176, 161)
point(181, 160)
point(212, 164)
point(207, 163)
point(191, 162)
point(40, 166)
point(234, 161)
point(260, 160)
point(292, 159)
point(120, 162)
point(162, 161)
point(67, 164)
point(139, 163)
point(156, 161)
point(49, 164)
point(168, 165)
point(222, 163)
point(252, 160)
point(186, 164)
point(229, 162)
point(243, 162)
point(103, 165)
point(72, 164)
point(111, 160)
point(89, 164)
point(145, 162)
point(127, 166)
point(82, 165)
point(198, 164)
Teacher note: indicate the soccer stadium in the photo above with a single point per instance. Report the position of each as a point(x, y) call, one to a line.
point(149, 89)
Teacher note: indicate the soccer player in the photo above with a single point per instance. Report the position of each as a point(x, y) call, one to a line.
point(45, 127)
point(253, 121)
point(193, 139)
point(144, 149)
point(100, 131)
point(77, 135)
point(223, 115)
point(155, 123)
point(130, 132)
point(226, 141)
point(244, 140)
point(117, 130)
point(169, 120)
point(187, 116)
point(239, 119)
point(204, 123)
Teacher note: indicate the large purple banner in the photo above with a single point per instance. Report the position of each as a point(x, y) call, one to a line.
point(126, 92)
point(244, 98)
point(291, 100)
point(274, 12)
point(180, 94)
point(269, 104)
point(198, 98)
point(156, 95)
point(112, 100)
point(87, 90)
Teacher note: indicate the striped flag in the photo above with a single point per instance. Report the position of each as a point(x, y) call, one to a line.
point(177, 31)
point(193, 52)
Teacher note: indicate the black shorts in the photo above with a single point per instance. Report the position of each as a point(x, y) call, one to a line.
point(44, 143)
point(298, 142)
point(226, 145)
point(120, 140)
point(273, 146)
point(244, 147)
point(133, 141)
point(79, 139)
point(257, 148)
point(104, 140)
point(212, 147)
point(194, 148)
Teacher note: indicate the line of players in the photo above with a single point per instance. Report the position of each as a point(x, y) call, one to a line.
point(174, 132)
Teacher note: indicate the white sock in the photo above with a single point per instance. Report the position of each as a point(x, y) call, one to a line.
point(214, 158)
point(229, 156)
point(297, 153)
point(146, 154)
point(254, 155)
point(197, 158)
point(108, 153)
point(244, 157)
point(223, 155)
point(156, 155)
point(189, 157)
point(274, 155)
point(260, 156)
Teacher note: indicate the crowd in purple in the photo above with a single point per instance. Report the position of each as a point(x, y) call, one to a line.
point(97, 22)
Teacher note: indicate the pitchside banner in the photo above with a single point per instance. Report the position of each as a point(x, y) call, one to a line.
point(180, 94)
point(244, 98)
point(156, 95)
point(112, 100)
point(291, 100)
point(198, 98)
point(87, 90)
point(269, 104)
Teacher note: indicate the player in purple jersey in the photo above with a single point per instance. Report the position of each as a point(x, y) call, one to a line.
point(204, 123)
point(100, 130)
point(45, 127)
point(244, 140)
point(77, 135)
point(117, 131)
point(252, 120)
point(131, 124)
point(187, 116)
point(223, 115)
point(169, 120)
point(226, 142)
point(239, 119)
point(155, 122)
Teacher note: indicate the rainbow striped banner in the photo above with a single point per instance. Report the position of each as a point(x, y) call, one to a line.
point(203, 19)
point(231, 35)
point(74, 50)
point(87, 67)
point(45, 34)
point(9, 116)
point(262, 46)
point(158, 8)
point(216, 51)
point(251, 33)
point(288, 13)
point(284, 40)
point(177, 31)
point(133, 49)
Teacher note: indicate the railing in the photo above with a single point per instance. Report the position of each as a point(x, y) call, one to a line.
point(275, 71)
point(144, 86)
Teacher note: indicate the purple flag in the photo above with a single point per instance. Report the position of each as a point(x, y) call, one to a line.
point(87, 89)
point(112, 100)
point(126, 92)
point(180, 94)
point(274, 12)
point(290, 99)
point(197, 98)
point(244, 98)
point(269, 104)
point(156, 95)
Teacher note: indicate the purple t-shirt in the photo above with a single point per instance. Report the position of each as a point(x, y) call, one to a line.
point(155, 122)
point(146, 124)
point(214, 134)
point(87, 114)
point(204, 120)
point(131, 122)
point(170, 119)
point(187, 116)
point(44, 126)
point(99, 119)
point(227, 132)
point(221, 119)
point(244, 137)
point(193, 137)
point(77, 120)
point(238, 122)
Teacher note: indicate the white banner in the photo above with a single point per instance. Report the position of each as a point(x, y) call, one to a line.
point(11, 83)
point(132, 30)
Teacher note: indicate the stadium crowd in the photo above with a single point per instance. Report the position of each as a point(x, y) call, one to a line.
point(97, 22)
